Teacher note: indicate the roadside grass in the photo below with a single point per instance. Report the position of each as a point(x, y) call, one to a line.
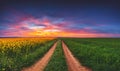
point(57, 61)
point(98, 54)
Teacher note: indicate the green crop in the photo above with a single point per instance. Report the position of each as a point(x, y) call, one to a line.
point(99, 54)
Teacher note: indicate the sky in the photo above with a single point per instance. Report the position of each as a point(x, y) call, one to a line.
point(59, 18)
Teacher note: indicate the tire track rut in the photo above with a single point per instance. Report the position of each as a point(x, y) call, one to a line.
point(42, 63)
point(72, 62)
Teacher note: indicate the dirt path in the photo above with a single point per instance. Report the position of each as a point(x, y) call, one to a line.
point(72, 62)
point(41, 64)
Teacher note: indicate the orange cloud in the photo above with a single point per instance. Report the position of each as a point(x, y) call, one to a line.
point(32, 27)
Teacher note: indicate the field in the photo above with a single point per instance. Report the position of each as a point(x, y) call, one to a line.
point(16, 53)
point(96, 54)
point(99, 54)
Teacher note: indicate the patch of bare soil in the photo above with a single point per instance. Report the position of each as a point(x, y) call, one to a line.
point(41, 64)
point(72, 62)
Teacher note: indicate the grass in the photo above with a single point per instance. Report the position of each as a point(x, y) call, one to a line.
point(16, 53)
point(57, 62)
point(99, 54)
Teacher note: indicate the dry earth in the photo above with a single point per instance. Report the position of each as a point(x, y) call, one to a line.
point(72, 62)
point(41, 64)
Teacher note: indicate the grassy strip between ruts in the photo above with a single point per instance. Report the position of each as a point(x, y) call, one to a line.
point(57, 62)
point(17, 61)
point(95, 54)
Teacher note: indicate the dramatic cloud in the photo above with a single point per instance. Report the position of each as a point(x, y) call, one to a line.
point(35, 19)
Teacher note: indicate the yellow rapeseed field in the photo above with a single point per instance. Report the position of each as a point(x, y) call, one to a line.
point(16, 53)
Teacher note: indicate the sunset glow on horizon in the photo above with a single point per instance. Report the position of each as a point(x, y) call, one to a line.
point(54, 20)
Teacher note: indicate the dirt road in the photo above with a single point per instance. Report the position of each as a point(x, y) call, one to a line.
point(41, 64)
point(72, 62)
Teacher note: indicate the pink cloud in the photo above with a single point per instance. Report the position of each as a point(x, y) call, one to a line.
point(28, 25)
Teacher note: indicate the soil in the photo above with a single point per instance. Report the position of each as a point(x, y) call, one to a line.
point(42, 63)
point(72, 62)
